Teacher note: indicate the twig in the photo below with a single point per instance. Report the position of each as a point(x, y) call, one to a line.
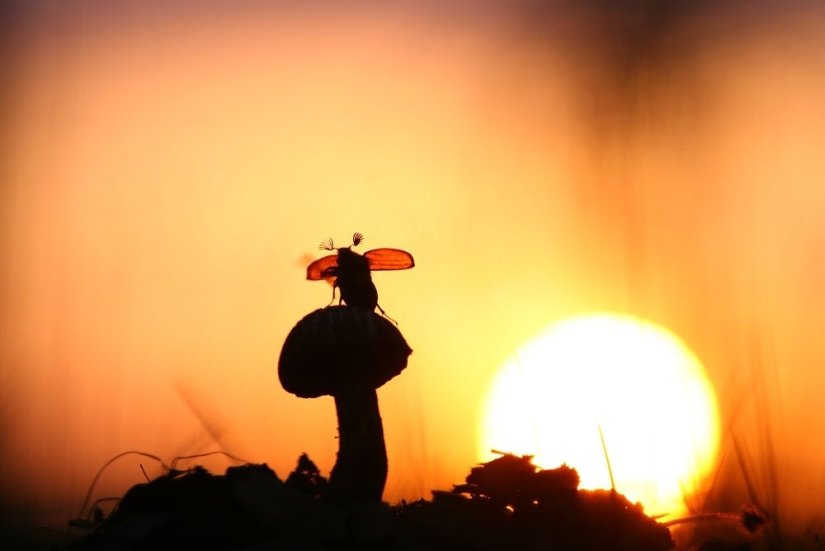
point(103, 468)
point(607, 458)
point(206, 454)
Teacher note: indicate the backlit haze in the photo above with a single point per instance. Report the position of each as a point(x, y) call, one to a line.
point(168, 166)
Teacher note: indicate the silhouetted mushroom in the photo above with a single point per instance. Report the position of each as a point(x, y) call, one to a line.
point(347, 353)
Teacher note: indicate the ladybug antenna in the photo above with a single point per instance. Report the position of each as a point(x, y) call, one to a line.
point(327, 245)
point(357, 238)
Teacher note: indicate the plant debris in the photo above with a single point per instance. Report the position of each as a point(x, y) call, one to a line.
point(506, 503)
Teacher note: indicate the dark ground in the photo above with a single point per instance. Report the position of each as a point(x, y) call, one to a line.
point(505, 504)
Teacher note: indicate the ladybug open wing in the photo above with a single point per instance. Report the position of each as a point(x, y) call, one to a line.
point(389, 259)
point(321, 268)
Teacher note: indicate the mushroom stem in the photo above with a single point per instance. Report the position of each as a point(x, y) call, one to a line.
point(360, 472)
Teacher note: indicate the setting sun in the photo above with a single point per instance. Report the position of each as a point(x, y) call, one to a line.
point(630, 380)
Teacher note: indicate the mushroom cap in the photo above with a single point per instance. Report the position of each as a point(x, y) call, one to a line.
point(340, 347)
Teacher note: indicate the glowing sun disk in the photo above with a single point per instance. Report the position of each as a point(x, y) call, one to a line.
point(633, 380)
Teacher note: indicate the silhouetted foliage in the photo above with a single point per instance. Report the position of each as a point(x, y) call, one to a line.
point(515, 481)
point(513, 505)
point(505, 504)
point(306, 478)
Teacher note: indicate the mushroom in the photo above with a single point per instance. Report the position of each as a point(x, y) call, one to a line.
point(347, 352)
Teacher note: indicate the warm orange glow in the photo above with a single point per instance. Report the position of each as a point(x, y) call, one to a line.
point(634, 381)
point(165, 163)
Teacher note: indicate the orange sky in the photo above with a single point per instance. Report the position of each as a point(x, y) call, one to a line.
point(165, 169)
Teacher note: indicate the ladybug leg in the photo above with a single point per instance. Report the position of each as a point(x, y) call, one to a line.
point(383, 313)
point(334, 286)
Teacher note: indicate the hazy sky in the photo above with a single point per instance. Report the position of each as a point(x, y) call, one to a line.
point(168, 166)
